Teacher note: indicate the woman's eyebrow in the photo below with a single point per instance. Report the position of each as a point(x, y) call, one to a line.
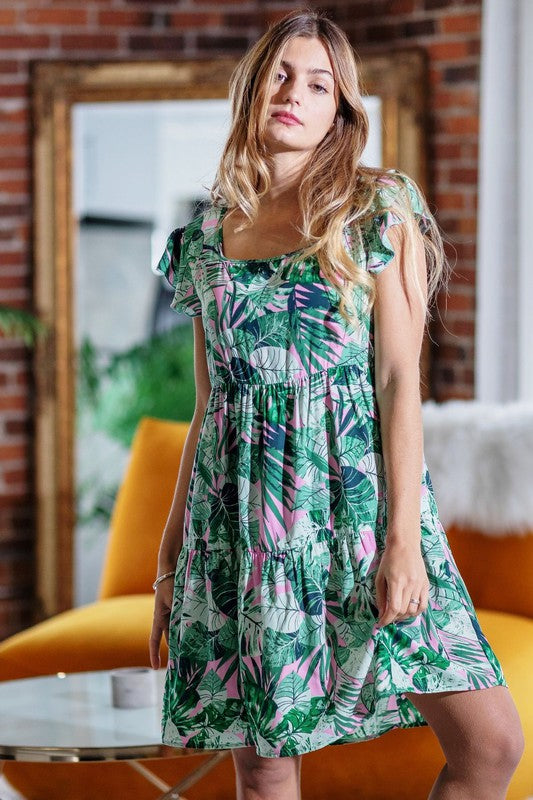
point(315, 71)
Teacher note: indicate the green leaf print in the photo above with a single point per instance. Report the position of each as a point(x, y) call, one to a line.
point(228, 637)
point(293, 720)
point(298, 721)
point(310, 496)
point(466, 653)
point(311, 632)
point(352, 450)
point(372, 466)
point(307, 332)
point(314, 715)
point(207, 733)
point(285, 617)
point(195, 601)
point(407, 712)
point(313, 664)
point(291, 693)
point(307, 589)
point(368, 697)
point(206, 471)
point(309, 457)
point(270, 360)
point(346, 697)
point(196, 643)
point(451, 620)
point(211, 689)
point(275, 599)
point(179, 700)
point(218, 716)
point(260, 707)
point(271, 332)
point(279, 648)
point(425, 679)
point(224, 588)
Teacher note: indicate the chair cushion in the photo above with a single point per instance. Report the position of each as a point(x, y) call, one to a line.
point(105, 634)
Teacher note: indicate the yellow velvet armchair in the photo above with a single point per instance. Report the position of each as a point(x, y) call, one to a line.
point(113, 632)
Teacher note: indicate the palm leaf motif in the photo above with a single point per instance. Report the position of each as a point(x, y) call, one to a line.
point(224, 587)
point(196, 644)
point(308, 587)
point(279, 648)
point(195, 606)
point(311, 462)
point(307, 327)
point(347, 693)
point(273, 639)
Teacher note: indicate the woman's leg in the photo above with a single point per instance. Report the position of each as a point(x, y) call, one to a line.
point(481, 736)
point(261, 778)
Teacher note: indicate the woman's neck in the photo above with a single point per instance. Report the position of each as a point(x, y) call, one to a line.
point(285, 178)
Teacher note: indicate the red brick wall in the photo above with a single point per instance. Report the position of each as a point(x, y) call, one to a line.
point(450, 32)
point(92, 29)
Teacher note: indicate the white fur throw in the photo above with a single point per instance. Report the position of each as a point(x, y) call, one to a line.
point(480, 459)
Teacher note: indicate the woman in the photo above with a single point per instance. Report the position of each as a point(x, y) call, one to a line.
point(315, 597)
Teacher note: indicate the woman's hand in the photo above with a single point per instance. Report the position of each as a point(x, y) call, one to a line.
point(401, 576)
point(160, 625)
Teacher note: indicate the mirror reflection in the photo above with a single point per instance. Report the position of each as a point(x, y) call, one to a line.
point(140, 169)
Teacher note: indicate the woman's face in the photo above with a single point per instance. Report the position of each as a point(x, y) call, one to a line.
point(304, 88)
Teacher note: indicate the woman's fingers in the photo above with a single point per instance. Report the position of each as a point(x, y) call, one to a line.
point(412, 609)
point(160, 623)
point(424, 598)
point(154, 645)
point(393, 606)
point(381, 594)
point(397, 604)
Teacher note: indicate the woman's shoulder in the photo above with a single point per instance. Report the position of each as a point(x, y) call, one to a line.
point(394, 197)
point(397, 190)
point(389, 196)
point(193, 233)
point(196, 222)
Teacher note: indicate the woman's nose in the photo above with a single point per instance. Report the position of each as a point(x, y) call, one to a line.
point(292, 92)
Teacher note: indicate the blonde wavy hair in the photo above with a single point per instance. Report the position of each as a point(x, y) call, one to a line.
point(336, 189)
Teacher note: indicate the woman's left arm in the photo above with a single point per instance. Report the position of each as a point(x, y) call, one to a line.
point(399, 321)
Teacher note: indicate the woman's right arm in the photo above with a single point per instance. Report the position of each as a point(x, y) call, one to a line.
point(172, 539)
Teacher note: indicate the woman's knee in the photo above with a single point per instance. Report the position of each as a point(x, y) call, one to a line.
point(480, 732)
point(493, 756)
point(257, 771)
point(506, 747)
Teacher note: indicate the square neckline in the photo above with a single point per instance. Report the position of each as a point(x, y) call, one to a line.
point(219, 241)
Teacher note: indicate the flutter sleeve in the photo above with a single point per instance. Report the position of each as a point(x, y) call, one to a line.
point(378, 247)
point(176, 266)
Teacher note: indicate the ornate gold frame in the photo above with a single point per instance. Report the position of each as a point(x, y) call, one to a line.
point(398, 78)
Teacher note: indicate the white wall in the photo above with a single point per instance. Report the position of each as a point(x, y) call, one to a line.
point(504, 285)
point(525, 200)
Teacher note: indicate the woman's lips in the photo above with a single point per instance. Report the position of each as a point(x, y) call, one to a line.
point(288, 119)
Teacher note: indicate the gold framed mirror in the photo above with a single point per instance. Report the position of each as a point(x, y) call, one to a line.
point(397, 81)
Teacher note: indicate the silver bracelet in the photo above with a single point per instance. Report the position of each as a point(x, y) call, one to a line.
point(162, 578)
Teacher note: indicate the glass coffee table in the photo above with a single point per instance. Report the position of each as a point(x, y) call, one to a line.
point(70, 718)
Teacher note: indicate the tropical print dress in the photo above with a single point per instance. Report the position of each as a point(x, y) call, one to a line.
point(273, 634)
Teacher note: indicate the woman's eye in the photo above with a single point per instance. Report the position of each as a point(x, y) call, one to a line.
point(280, 75)
point(320, 87)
